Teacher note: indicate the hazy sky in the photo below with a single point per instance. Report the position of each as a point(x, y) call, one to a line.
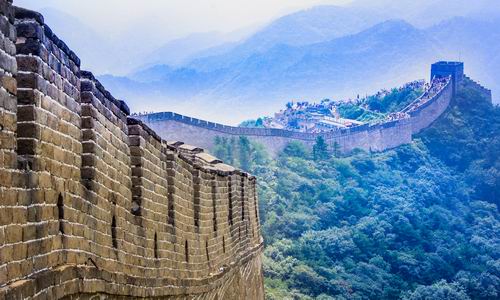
point(173, 18)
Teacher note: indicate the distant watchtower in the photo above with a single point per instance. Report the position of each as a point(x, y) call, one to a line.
point(447, 68)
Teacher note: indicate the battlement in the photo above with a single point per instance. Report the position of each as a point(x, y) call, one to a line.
point(385, 134)
point(94, 202)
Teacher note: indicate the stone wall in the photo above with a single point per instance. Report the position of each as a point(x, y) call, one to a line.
point(376, 137)
point(425, 115)
point(93, 203)
point(11, 215)
point(484, 92)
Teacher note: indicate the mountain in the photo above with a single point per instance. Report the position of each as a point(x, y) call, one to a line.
point(318, 70)
point(473, 41)
point(87, 43)
point(259, 76)
point(314, 25)
point(425, 13)
point(179, 51)
point(98, 53)
point(118, 56)
point(264, 81)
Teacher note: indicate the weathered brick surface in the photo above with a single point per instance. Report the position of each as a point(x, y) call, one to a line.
point(93, 203)
point(8, 91)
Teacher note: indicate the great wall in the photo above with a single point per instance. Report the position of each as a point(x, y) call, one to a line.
point(379, 136)
point(94, 204)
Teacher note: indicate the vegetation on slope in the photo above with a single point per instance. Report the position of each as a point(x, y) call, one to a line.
point(376, 107)
point(370, 109)
point(395, 100)
point(417, 222)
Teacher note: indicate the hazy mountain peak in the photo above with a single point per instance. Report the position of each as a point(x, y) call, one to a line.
point(312, 25)
point(424, 13)
point(272, 67)
point(305, 27)
point(393, 25)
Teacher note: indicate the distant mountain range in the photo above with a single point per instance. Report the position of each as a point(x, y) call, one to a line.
point(257, 77)
point(426, 13)
point(102, 54)
point(322, 52)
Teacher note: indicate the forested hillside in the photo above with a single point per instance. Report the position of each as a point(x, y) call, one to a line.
point(417, 222)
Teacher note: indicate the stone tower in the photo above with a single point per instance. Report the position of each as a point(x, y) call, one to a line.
point(449, 68)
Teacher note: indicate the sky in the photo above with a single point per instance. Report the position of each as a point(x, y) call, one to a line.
point(118, 37)
point(173, 18)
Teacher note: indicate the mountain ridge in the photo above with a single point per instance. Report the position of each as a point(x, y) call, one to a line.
point(287, 69)
point(386, 54)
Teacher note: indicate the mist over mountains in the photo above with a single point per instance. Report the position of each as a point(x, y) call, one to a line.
point(322, 52)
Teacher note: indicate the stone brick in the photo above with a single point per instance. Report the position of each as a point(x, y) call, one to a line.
point(13, 234)
point(84, 168)
point(10, 84)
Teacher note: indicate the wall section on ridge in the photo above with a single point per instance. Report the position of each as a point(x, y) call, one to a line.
point(425, 115)
point(95, 203)
point(369, 137)
point(377, 137)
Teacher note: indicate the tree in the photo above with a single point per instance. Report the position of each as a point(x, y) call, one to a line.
point(296, 149)
point(231, 148)
point(418, 222)
point(245, 153)
point(220, 148)
point(438, 291)
point(320, 149)
point(336, 149)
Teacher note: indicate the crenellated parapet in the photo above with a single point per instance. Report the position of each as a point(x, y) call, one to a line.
point(383, 135)
point(94, 203)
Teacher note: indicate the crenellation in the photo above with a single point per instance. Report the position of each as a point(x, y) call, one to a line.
point(383, 135)
point(93, 201)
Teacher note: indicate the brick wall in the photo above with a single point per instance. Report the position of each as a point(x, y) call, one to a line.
point(427, 114)
point(93, 203)
point(11, 216)
point(48, 147)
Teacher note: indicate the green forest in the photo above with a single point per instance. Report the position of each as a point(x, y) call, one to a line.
point(417, 222)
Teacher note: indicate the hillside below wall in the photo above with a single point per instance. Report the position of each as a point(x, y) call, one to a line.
point(377, 137)
point(94, 204)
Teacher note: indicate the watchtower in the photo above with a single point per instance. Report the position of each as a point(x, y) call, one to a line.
point(447, 68)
